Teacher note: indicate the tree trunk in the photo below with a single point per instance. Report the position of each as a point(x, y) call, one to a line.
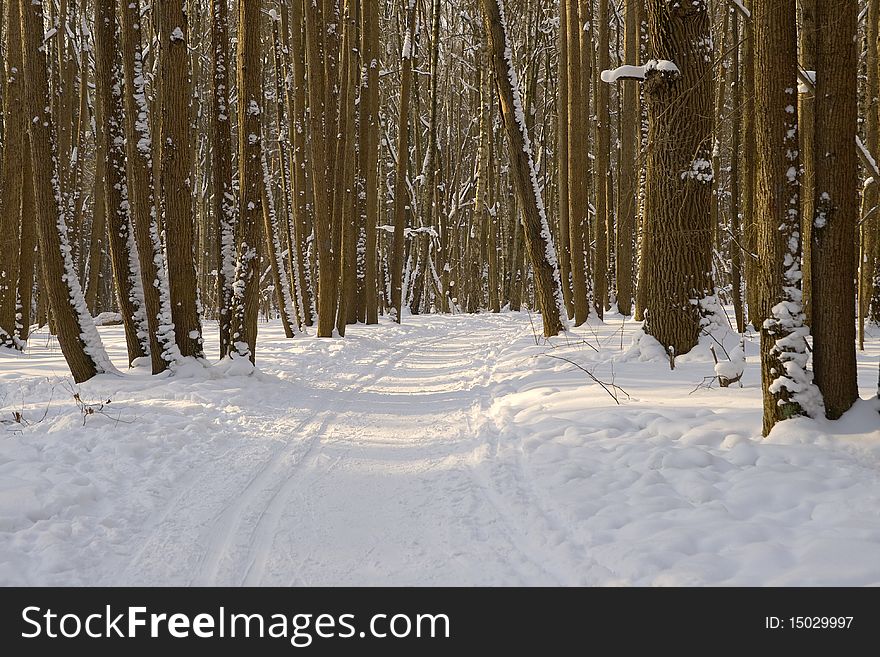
point(223, 202)
point(111, 135)
point(628, 179)
point(604, 223)
point(15, 147)
point(562, 156)
point(539, 242)
point(77, 335)
point(787, 388)
point(836, 207)
point(807, 129)
point(318, 113)
point(679, 172)
point(175, 178)
point(139, 168)
point(246, 296)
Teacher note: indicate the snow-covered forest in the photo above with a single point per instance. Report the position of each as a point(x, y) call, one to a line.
point(439, 292)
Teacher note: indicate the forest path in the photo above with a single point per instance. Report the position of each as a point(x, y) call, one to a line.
point(377, 474)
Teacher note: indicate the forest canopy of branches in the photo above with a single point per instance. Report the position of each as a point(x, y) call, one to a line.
point(327, 162)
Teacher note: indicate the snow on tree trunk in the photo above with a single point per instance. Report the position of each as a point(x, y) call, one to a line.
point(539, 240)
point(124, 259)
point(276, 253)
point(176, 177)
point(221, 166)
point(250, 175)
point(77, 335)
point(679, 97)
point(787, 385)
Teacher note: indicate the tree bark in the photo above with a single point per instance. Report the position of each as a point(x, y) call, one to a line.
point(77, 335)
point(175, 177)
point(679, 173)
point(246, 296)
point(539, 242)
point(836, 207)
point(787, 389)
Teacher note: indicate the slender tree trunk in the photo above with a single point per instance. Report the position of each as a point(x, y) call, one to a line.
point(246, 296)
point(539, 242)
point(175, 178)
point(139, 168)
point(807, 129)
point(401, 194)
point(628, 179)
point(370, 147)
point(562, 155)
point(836, 207)
point(604, 224)
point(223, 202)
point(578, 164)
point(111, 136)
point(15, 147)
point(28, 248)
point(871, 193)
point(77, 335)
point(736, 236)
point(787, 388)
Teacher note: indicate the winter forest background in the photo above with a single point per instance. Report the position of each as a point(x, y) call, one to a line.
point(440, 292)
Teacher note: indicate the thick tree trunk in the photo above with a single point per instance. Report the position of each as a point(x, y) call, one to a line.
point(836, 207)
point(319, 120)
point(679, 171)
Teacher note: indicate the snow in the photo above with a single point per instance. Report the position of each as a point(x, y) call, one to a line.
point(629, 72)
point(447, 450)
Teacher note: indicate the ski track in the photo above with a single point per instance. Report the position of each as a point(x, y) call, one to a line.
point(254, 518)
point(445, 451)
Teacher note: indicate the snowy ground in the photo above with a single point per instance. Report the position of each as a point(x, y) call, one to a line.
point(449, 450)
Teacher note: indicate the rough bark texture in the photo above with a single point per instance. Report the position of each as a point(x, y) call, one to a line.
point(401, 193)
point(783, 346)
point(836, 206)
point(807, 126)
point(370, 147)
point(123, 254)
point(223, 200)
point(315, 28)
point(250, 144)
point(679, 172)
point(578, 163)
point(157, 303)
point(176, 172)
point(628, 179)
point(539, 244)
point(14, 151)
point(74, 327)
